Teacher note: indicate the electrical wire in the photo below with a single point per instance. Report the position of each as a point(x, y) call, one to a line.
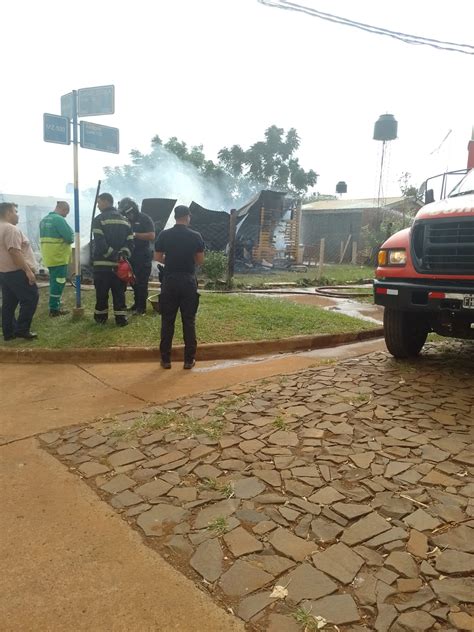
point(466, 49)
point(441, 143)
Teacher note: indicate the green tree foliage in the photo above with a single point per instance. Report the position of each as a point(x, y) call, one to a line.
point(270, 163)
point(158, 168)
point(238, 173)
point(318, 197)
point(406, 187)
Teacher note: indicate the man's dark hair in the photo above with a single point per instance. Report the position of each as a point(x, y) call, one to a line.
point(181, 211)
point(107, 198)
point(5, 207)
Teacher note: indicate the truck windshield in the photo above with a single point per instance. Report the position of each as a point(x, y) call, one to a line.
point(465, 187)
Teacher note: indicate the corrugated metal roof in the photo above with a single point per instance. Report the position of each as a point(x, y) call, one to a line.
point(350, 205)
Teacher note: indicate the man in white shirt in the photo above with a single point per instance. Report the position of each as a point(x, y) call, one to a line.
point(17, 276)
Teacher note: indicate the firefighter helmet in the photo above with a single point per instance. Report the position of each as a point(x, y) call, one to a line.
point(127, 205)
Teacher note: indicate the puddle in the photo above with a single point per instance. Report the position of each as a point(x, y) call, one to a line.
point(349, 306)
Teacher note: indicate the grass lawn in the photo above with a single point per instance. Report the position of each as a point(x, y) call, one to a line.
point(221, 318)
point(332, 275)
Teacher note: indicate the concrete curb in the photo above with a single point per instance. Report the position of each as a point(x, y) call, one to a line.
point(210, 351)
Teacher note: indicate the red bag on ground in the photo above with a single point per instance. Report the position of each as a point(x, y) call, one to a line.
point(124, 272)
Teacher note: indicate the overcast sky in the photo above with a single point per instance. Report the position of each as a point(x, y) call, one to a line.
point(219, 72)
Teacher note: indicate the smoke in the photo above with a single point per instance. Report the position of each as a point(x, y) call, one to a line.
point(167, 176)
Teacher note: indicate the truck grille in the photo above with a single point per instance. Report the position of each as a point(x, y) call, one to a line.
point(444, 246)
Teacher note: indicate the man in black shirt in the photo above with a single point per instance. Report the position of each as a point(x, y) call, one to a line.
point(143, 234)
point(180, 249)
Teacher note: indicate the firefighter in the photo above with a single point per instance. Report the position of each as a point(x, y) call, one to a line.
point(180, 249)
point(113, 239)
point(143, 234)
point(56, 237)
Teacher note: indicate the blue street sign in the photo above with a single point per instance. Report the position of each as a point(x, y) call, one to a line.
point(96, 101)
point(56, 129)
point(66, 105)
point(99, 137)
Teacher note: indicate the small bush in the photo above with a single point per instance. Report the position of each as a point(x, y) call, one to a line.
point(214, 266)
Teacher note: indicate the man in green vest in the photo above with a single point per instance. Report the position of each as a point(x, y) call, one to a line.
point(56, 237)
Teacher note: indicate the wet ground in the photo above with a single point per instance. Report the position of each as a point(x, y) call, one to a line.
point(350, 306)
point(343, 491)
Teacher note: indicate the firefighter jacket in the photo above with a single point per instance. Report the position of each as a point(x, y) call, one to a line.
point(56, 237)
point(113, 238)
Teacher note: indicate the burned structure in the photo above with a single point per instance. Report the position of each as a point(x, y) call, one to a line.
point(213, 226)
point(159, 209)
point(267, 229)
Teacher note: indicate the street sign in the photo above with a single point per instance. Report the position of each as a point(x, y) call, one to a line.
point(96, 101)
point(56, 129)
point(99, 137)
point(66, 105)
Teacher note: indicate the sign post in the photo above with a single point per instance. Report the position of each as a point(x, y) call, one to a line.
point(77, 227)
point(94, 101)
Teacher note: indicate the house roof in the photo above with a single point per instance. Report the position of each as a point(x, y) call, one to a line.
point(30, 200)
point(351, 205)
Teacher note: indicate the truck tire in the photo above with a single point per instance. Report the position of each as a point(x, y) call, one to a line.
point(405, 332)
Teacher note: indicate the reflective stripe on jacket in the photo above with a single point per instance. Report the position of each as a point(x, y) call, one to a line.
point(56, 237)
point(113, 237)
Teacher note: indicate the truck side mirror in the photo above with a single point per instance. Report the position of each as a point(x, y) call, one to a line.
point(429, 196)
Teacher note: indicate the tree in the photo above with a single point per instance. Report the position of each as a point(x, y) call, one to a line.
point(318, 197)
point(411, 203)
point(173, 169)
point(406, 187)
point(270, 163)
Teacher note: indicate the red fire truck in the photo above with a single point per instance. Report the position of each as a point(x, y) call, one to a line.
point(425, 274)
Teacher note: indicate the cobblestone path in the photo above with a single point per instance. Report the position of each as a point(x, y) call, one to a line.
point(340, 497)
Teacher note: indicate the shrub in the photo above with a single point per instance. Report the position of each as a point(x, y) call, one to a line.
point(214, 266)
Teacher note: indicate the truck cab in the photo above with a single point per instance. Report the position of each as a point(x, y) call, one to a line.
point(425, 273)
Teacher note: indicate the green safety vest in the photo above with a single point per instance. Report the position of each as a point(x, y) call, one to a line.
point(56, 237)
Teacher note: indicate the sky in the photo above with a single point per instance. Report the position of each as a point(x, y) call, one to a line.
point(219, 72)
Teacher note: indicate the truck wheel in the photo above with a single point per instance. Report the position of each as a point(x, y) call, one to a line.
point(405, 332)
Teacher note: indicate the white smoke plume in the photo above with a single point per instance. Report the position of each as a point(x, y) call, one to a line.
point(167, 176)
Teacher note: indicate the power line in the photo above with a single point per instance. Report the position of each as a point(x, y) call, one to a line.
point(466, 49)
point(441, 143)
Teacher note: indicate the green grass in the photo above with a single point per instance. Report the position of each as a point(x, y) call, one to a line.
point(211, 426)
point(221, 318)
point(279, 423)
point(218, 526)
point(333, 274)
point(309, 622)
point(157, 421)
point(213, 485)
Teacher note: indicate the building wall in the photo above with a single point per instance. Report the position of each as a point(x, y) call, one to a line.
point(333, 226)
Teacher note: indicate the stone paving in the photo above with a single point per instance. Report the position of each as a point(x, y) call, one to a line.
point(340, 497)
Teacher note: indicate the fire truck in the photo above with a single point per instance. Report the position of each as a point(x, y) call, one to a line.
point(425, 273)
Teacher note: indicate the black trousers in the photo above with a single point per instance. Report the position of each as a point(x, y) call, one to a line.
point(17, 290)
point(179, 292)
point(106, 281)
point(142, 273)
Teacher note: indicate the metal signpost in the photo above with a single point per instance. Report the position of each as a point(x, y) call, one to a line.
point(94, 101)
